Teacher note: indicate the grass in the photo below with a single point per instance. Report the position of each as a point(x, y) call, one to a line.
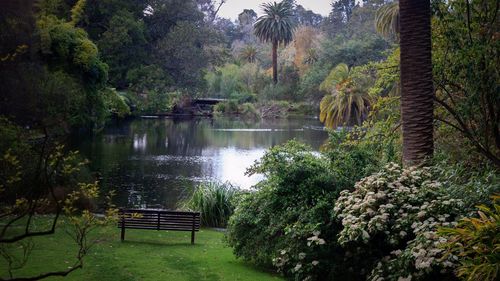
point(215, 202)
point(144, 255)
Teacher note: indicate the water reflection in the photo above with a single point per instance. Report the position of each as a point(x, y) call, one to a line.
point(154, 162)
point(140, 142)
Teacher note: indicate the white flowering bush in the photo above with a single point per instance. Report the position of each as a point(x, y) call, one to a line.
point(303, 262)
point(397, 211)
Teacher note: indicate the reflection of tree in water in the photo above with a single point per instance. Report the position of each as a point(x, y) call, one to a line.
point(154, 161)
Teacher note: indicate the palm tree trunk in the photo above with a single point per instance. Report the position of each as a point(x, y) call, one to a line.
point(417, 96)
point(275, 62)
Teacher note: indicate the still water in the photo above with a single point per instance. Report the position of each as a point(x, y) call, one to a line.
point(156, 162)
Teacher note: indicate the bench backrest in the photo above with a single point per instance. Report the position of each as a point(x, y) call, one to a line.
point(159, 219)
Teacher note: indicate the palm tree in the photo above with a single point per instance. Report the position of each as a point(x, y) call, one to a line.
point(275, 26)
point(311, 56)
point(417, 95)
point(249, 53)
point(348, 101)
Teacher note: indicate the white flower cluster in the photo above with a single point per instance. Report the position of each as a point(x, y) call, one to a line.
point(404, 207)
point(300, 263)
point(315, 240)
point(281, 260)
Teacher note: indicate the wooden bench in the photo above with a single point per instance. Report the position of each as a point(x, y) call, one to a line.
point(159, 220)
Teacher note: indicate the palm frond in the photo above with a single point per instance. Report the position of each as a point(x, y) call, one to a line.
point(338, 75)
point(387, 20)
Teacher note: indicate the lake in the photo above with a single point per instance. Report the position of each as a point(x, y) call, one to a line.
point(155, 162)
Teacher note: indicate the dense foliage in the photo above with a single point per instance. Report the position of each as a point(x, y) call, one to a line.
point(53, 75)
point(466, 72)
point(287, 222)
point(476, 241)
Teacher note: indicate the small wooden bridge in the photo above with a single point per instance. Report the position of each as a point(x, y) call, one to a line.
point(207, 101)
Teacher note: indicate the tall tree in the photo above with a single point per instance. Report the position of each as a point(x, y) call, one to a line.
point(275, 26)
point(339, 16)
point(210, 8)
point(247, 17)
point(417, 95)
point(307, 17)
point(306, 41)
point(342, 9)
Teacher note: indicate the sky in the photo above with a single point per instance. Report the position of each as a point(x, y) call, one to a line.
point(232, 8)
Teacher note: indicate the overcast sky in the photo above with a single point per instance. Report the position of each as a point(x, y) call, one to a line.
point(232, 8)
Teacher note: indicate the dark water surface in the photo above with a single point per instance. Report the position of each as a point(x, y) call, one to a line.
point(156, 162)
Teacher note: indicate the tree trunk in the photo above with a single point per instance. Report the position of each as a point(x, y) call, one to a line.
point(417, 93)
point(275, 62)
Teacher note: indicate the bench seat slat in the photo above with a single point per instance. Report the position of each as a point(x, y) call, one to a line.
point(152, 228)
point(145, 211)
point(161, 226)
point(156, 225)
point(161, 221)
point(163, 218)
point(185, 215)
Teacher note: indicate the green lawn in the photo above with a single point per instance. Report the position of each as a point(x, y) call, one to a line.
point(145, 255)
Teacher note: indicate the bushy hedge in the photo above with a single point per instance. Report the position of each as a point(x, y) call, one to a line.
point(288, 222)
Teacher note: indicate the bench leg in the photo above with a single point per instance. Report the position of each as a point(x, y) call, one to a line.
point(193, 228)
point(123, 233)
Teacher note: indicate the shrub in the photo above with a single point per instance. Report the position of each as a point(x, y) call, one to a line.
point(476, 242)
point(235, 81)
point(158, 101)
point(474, 185)
point(303, 108)
point(224, 81)
point(243, 97)
point(231, 107)
point(275, 92)
point(309, 82)
point(247, 110)
point(220, 108)
point(115, 103)
point(287, 223)
point(392, 217)
point(215, 202)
